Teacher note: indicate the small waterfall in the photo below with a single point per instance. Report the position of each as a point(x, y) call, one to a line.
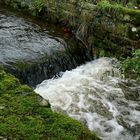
point(96, 95)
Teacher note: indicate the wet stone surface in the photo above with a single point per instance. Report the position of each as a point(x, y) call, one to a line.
point(22, 40)
point(34, 52)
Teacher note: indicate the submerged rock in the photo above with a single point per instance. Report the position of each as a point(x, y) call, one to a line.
point(44, 102)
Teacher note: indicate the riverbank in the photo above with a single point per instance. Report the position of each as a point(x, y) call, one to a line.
point(25, 115)
point(104, 24)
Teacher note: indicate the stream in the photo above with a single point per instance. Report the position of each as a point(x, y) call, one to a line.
point(97, 95)
point(95, 92)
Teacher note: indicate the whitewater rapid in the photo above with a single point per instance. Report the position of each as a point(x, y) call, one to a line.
point(98, 96)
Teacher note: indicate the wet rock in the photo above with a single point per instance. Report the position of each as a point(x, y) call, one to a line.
point(122, 122)
point(122, 103)
point(100, 109)
point(45, 103)
point(136, 129)
point(137, 108)
point(130, 91)
point(83, 121)
point(31, 54)
point(132, 95)
point(111, 98)
point(91, 109)
point(104, 112)
point(74, 108)
point(109, 129)
point(125, 113)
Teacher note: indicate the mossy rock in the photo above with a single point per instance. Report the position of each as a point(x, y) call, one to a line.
point(23, 117)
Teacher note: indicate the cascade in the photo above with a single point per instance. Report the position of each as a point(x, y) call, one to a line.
point(98, 96)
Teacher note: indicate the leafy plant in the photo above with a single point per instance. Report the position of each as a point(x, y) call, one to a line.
point(131, 66)
point(39, 5)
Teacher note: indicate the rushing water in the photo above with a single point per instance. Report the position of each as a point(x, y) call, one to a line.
point(97, 95)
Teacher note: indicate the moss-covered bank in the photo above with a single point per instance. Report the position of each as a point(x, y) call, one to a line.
point(108, 24)
point(23, 117)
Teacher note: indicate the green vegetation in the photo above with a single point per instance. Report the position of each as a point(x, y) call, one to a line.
point(132, 65)
point(118, 8)
point(22, 116)
point(39, 6)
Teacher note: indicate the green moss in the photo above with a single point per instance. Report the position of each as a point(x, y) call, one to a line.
point(118, 8)
point(22, 116)
point(121, 29)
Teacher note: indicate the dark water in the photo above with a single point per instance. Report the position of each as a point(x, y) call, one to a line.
point(33, 50)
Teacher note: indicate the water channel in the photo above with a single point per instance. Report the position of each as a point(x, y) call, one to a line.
point(94, 93)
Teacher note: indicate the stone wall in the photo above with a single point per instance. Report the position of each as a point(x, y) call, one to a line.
point(96, 23)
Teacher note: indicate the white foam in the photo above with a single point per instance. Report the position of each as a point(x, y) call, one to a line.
point(92, 94)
